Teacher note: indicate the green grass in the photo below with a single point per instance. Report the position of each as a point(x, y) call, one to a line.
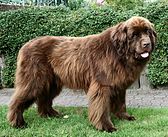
point(150, 123)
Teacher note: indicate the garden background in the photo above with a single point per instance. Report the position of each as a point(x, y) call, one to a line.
point(80, 18)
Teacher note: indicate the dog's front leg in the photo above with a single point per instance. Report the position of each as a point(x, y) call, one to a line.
point(99, 107)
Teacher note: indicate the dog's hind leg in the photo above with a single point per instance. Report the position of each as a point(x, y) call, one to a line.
point(19, 102)
point(118, 106)
point(45, 100)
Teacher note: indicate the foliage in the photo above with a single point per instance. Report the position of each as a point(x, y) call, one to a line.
point(18, 27)
point(34, 2)
point(125, 4)
point(158, 68)
point(77, 4)
point(13, 1)
point(0, 78)
point(149, 123)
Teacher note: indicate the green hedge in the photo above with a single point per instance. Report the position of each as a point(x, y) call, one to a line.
point(17, 27)
point(158, 67)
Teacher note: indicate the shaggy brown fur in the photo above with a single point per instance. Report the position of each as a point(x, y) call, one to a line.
point(104, 65)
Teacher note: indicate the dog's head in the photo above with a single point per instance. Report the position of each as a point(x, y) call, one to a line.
point(135, 37)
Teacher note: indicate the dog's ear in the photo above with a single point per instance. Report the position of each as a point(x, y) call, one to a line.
point(152, 35)
point(154, 38)
point(119, 38)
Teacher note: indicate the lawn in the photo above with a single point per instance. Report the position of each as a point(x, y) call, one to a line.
point(150, 123)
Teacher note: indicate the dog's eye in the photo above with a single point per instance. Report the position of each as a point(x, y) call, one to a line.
point(135, 34)
point(146, 30)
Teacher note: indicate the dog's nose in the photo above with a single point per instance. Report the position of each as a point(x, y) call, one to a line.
point(146, 44)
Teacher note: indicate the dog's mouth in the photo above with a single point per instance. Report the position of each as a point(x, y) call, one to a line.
point(143, 55)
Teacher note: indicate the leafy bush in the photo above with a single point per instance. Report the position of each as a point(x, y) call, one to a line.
point(18, 27)
point(158, 67)
point(77, 4)
point(125, 4)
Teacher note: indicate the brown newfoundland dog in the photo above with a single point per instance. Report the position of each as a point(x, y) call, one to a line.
point(104, 65)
